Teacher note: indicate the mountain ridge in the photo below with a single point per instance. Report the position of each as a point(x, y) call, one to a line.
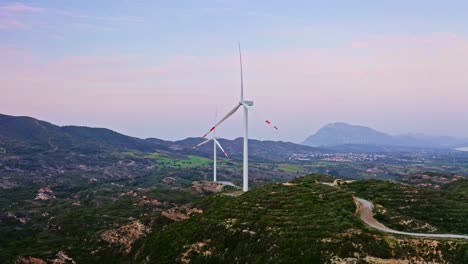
point(23, 134)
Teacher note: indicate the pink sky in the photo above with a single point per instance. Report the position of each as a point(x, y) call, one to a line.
point(394, 84)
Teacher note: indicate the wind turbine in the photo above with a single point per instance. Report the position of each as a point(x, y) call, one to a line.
point(215, 143)
point(246, 105)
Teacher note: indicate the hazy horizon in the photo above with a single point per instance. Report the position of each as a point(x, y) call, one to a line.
point(253, 138)
point(153, 69)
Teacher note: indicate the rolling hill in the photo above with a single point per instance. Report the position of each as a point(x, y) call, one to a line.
point(29, 135)
point(266, 150)
point(305, 221)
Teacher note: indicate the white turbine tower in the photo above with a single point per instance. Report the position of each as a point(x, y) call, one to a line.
point(245, 104)
point(215, 143)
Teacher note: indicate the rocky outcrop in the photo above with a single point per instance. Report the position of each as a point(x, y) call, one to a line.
point(44, 194)
point(149, 202)
point(29, 260)
point(61, 258)
point(169, 180)
point(181, 213)
point(207, 187)
point(126, 235)
point(199, 248)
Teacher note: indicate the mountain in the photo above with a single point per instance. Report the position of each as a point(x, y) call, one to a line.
point(29, 135)
point(272, 150)
point(342, 134)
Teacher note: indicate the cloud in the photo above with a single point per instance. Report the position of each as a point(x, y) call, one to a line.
point(23, 16)
point(433, 39)
point(11, 23)
point(20, 8)
point(12, 15)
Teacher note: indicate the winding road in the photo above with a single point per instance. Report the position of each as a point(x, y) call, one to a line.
point(365, 211)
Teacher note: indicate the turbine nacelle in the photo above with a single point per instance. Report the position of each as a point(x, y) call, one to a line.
point(246, 103)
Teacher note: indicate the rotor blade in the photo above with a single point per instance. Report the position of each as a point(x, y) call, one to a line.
point(219, 145)
point(241, 75)
point(230, 113)
point(270, 124)
point(203, 143)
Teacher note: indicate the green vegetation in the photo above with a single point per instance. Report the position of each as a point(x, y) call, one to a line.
point(98, 181)
point(300, 222)
point(130, 154)
point(258, 225)
point(291, 168)
point(186, 162)
point(460, 187)
point(156, 155)
point(180, 196)
point(408, 208)
point(60, 226)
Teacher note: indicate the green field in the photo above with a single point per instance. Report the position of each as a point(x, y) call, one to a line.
point(291, 168)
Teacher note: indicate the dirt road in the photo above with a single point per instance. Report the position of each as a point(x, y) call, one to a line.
point(365, 211)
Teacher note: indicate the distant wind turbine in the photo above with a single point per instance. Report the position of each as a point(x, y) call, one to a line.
point(246, 105)
point(215, 143)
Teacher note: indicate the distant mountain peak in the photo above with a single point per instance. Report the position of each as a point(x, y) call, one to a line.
point(338, 124)
point(340, 133)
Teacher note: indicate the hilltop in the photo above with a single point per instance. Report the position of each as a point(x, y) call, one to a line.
point(305, 221)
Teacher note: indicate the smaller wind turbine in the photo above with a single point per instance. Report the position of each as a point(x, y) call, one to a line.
point(215, 143)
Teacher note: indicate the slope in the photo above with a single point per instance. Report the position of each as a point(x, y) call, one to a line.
point(298, 222)
point(28, 135)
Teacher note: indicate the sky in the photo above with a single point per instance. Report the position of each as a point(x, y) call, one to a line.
point(165, 68)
